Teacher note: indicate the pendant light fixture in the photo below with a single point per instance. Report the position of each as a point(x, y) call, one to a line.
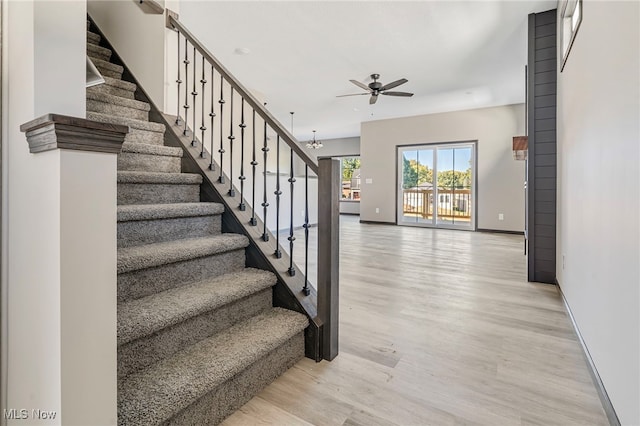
point(314, 144)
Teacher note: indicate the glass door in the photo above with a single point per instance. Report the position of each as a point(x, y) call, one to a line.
point(436, 185)
point(416, 186)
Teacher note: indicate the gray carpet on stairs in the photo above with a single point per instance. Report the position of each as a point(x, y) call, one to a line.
point(96, 51)
point(157, 326)
point(107, 68)
point(142, 317)
point(104, 103)
point(158, 393)
point(153, 255)
point(154, 223)
point(93, 38)
point(139, 131)
point(136, 187)
point(166, 211)
point(197, 333)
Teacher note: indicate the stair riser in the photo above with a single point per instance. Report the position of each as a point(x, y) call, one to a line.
point(107, 69)
point(215, 406)
point(132, 161)
point(117, 110)
point(137, 284)
point(141, 232)
point(143, 352)
point(109, 73)
point(99, 52)
point(149, 193)
point(93, 38)
point(111, 90)
point(144, 136)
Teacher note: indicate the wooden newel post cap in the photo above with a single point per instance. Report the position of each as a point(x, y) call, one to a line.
point(55, 131)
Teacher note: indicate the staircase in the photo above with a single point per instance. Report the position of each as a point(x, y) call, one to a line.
point(197, 333)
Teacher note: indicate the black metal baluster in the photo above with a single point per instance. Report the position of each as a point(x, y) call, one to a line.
point(178, 81)
point(265, 150)
point(242, 206)
point(202, 126)
point(186, 85)
point(278, 193)
point(212, 114)
point(221, 150)
point(306, 289)
point(194, 93)
point(291, 270)
point(253, 221)
point(231, 192)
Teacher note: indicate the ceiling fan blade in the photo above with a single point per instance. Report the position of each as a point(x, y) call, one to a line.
point(394, 84)
point(360, 85)
point(407, 94)
point(353, 94)
point(373, 99)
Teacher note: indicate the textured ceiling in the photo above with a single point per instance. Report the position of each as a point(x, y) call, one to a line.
point(456, 55)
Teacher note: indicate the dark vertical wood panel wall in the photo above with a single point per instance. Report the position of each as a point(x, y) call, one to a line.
point(541, 173)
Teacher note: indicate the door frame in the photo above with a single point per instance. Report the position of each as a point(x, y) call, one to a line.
point(474, 188)
point(3, 283)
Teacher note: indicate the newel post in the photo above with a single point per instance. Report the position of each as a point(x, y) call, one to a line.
point(328, 253)
point(78, 321)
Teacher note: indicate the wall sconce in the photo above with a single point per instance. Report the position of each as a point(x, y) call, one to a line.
point(520, 147)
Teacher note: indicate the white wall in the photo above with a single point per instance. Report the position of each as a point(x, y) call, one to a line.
point(500, 177)
point(139, 39)
point(57, 73)
point(55, 247)
point(598, 192)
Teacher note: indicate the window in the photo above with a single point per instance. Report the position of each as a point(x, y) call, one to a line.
point(350, 167)
point(571, 18)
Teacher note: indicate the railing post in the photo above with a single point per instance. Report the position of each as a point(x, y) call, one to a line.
point(328, 253)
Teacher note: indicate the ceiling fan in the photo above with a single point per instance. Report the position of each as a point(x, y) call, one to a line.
point(376, 88)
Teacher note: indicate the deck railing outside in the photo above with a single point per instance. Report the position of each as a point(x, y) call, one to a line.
point(448, 203)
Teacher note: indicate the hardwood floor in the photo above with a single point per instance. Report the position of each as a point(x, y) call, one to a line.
point(437, 327)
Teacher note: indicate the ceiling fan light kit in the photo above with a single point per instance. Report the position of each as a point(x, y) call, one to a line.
point(375, 88)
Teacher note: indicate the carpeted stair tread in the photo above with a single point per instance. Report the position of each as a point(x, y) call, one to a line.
point(148, 149)
point(157, 254)
point(113, 86)
point(100, 63)
point(121, 84)
point(98, 52)
point(142, 317)
point(93, 38)
point(105, 64)
point(117, 100)
point(133, 123)
point(164, 389)
point(167, 211)
point(159, 178)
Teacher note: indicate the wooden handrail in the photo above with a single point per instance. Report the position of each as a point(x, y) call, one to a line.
point(285, 136)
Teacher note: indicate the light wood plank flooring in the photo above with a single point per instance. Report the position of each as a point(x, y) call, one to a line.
point(437, 327)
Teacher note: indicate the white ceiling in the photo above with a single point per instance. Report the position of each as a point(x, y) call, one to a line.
point(456, 55)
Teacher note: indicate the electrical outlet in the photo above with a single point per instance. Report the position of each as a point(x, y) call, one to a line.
point(500, 216)
point(377, 210)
